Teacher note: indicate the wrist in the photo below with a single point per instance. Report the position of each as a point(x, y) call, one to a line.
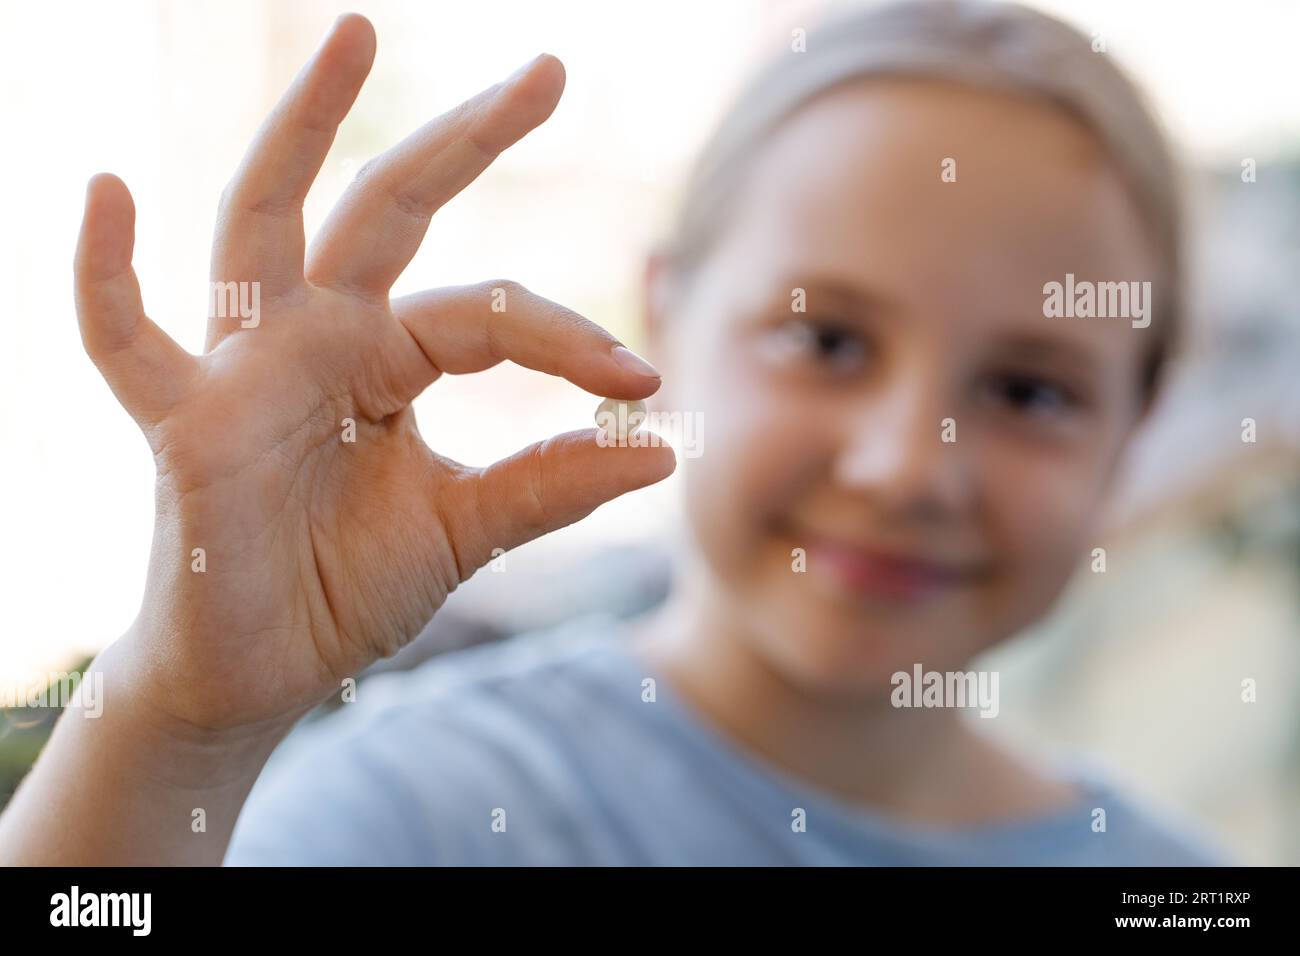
point(123, 782)
point(171, 749)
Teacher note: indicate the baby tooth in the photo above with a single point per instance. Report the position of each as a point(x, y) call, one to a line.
point(618, 419)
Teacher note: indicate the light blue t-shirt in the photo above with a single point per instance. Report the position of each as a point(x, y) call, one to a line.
point(540, 750)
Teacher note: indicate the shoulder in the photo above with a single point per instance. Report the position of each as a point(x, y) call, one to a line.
point(1130, 828)
point(426, 760)
point(542, 668)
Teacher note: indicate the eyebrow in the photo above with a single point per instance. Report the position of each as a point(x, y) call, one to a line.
point(836, 291)
point(1074, 355)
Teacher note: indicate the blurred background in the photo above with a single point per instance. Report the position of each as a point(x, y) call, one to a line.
point(1203, 582)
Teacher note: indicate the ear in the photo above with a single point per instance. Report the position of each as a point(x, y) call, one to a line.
point(1150, 402)
point(1146, 409)
point(656, 284)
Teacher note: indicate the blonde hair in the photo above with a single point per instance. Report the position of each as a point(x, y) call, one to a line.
point(992, 45)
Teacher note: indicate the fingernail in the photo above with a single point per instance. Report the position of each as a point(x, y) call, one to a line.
point(523, 69)
point(634, 363)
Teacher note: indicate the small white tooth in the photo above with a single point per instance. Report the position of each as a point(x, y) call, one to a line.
point(618, 419)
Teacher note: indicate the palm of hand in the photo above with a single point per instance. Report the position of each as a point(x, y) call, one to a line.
point(303, 528)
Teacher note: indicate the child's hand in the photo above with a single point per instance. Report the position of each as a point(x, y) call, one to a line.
point(319, 553)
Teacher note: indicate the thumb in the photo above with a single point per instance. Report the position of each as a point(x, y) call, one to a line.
point(146, 370)
point(542, 488)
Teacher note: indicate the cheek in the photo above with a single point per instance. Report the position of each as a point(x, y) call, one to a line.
point(760, 453)
point(1041, 512)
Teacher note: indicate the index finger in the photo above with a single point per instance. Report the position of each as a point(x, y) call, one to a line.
point(458, 329)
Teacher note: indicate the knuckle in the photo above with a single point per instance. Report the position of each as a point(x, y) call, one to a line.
point(367, 170)
point(537, 512)
point(227, 197)
point(509, 286)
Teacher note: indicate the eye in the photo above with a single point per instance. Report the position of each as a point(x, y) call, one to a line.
point(826, 343)
point(1033, 395)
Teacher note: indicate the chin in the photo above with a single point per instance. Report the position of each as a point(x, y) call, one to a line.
point(826, 642)
point(828, 652)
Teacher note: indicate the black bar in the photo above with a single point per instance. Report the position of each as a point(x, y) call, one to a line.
point(368, 905)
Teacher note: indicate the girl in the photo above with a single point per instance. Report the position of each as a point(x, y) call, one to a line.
point(903, 462)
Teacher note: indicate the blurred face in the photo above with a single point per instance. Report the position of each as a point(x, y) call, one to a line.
point(824, 429)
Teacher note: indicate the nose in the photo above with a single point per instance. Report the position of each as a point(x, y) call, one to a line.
point(895, 451)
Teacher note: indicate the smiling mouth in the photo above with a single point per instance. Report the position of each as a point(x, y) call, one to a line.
point(879, 574)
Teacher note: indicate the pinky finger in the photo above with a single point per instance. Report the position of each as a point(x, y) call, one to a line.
point(147, 371)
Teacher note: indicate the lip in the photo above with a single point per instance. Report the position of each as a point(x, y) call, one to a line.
point(870, 572)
